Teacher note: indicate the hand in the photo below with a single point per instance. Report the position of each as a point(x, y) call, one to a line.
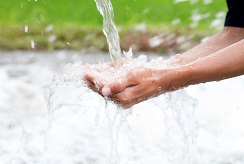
point(139, 85)
point(91, 77)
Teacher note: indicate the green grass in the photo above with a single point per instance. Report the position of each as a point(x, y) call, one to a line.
point(84, 12)
point(79, 18)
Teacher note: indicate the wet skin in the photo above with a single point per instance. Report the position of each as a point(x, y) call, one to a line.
point(220, 57)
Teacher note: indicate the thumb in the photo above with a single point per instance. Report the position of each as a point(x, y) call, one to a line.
point(106, 91)
point(113, 88)
point(117, 87)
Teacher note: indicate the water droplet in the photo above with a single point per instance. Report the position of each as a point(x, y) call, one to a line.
point(52, 38)
point(49, 28)
point(32, 44)
point(26, 28)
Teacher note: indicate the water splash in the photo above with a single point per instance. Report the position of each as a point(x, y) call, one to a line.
point(32, 44)
point(26, 28)
point(67, 90)
point(110, 31)
point(179, 119)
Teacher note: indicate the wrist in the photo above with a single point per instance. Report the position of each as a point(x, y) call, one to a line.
point(176, 78)
point(177, 59)
point(184, 76)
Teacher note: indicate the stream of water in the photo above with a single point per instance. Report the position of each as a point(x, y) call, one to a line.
point(110, 31)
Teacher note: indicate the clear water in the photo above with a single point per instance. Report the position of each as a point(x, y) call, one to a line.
point(175, 143)
point(180, 128)
point(109, 29)
point(83, 127)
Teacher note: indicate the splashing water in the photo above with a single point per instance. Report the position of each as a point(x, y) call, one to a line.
point(110, 31)
point(179, 127)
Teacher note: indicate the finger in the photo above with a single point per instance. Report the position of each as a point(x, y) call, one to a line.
point(112, 64)
point(117, 87)
point(93, 82)
point(87, 66)
point(127, 103)
point(123, 105)
point(131, 103)
point(89, 78)
point(128, 94)
point(89, 81)
point(92, 86)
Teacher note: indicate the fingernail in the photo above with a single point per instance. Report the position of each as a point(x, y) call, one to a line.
point(106, 91)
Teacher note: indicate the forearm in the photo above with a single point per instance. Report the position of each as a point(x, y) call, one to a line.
point(223, 64)
point(228, 36)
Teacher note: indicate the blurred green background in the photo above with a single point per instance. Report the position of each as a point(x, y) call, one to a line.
point(67, 24)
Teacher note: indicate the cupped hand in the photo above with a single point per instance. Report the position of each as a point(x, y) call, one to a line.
point(92, 79)
point(140, 84)
point(95, 82)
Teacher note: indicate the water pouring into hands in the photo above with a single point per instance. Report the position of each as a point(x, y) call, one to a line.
point(220, 57)
point(139, 84)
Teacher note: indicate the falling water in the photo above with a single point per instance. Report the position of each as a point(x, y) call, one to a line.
point(109, 29)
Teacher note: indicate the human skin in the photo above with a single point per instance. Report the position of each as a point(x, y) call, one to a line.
point(221, 57)
point(227, 36)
